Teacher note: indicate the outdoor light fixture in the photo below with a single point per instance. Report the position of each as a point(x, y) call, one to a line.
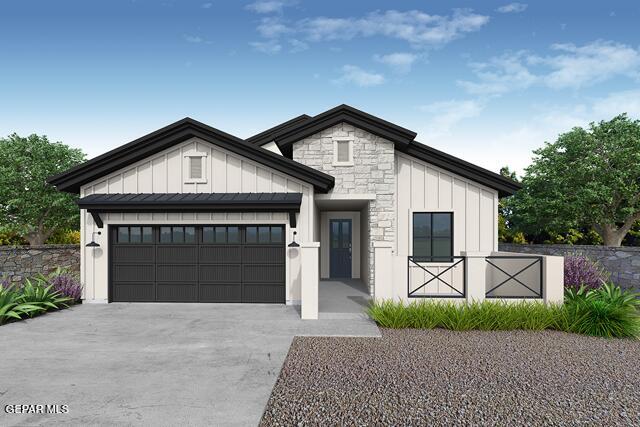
point(92, 243)
point(294, 244)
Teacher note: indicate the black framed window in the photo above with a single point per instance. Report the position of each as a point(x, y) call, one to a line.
point(221, 234)
point(134, 234)
point(177, 234)
point(433, 236)
point(264, 235)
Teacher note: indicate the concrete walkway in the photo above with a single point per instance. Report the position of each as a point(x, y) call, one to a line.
point(342, 299)
point(153, 364)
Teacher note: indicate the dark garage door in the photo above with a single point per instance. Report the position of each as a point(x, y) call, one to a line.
point(185, 263)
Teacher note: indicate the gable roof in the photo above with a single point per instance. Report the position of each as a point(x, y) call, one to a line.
point(173, 134)
point(504, 185)
point(269, 134)
point(298, 128)
point(343, 114)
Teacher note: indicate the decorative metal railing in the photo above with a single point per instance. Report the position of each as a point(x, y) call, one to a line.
point(449, 271)
point(526, 282)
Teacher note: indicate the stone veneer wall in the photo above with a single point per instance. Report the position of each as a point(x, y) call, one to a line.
point(373, 172)
point(623, 262)
point(20, 262)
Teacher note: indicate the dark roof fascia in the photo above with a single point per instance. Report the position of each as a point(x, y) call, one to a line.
point(504, 185)
point(400, 136)
point(269, 134)
point(174, 134)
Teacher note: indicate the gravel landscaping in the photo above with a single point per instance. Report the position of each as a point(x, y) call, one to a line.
point(440, 377)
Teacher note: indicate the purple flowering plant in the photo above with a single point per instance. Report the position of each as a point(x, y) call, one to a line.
point(580, 271)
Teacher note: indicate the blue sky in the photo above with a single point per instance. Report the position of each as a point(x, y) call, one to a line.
point(487, 81)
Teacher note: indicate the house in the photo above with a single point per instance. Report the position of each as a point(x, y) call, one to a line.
point(189, 213)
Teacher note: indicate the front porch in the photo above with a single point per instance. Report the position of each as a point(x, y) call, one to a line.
point(342, 299)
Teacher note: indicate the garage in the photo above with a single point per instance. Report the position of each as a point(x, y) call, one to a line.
point(197, 263)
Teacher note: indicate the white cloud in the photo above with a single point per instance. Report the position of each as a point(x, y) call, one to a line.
point(414, 26)
point(400, 62)
point(297, 46)
point(444, 115)
point(270, 46)
point(500, 75)
point(568, 66)
point(193, 39)
point(272, 27)
point(207, 5)
point(419, 29)
point(268, 6)
point(359, 77)
point(578, 66)
point(512, 8)
point(617, 103)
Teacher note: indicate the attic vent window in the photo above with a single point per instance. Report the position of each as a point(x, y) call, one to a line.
point(195, 168)
point(343, 153)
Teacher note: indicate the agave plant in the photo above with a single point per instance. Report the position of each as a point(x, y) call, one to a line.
point(13, 306)
point(39, 292)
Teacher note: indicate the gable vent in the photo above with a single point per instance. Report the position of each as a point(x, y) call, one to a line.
point(195, 167)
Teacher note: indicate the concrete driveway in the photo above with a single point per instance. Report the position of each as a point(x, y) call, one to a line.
point(153, 364)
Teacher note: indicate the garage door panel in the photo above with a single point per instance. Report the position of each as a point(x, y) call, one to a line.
point(133, 273)
point(256, 273)
point(224, 269)
point(213, 254)
point(172, 292)
point(175, 254)
point(221, 273)
point(220, 292)
point(134, 292)
point(263, 254)
point(263, 293)
point(134, 254)
point(177, 273)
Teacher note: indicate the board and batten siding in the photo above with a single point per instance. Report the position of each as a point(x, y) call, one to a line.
point(421, 186)
point(226, 172)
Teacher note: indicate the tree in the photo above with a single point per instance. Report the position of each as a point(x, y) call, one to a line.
point(30, 206)
point(587, 178)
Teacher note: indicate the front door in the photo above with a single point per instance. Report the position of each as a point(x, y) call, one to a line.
point(340, 250)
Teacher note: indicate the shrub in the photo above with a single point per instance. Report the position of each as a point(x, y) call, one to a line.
point(66, 283)
point(64, 237)
point(39, 292)
point(604, 312)
point(581, 271)
point(13, 305)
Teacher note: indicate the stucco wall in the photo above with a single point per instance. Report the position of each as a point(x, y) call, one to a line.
point(20, 262)
point(372, 172)
point(622, 262)
point(163, 173)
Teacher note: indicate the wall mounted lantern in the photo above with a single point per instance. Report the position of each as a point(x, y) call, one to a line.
point(92, 243)
point(294, 244)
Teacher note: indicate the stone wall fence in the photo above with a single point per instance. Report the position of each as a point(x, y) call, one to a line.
point(623, 262)
point(21, 262)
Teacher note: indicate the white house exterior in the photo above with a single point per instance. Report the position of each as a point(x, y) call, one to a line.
point(190, 213)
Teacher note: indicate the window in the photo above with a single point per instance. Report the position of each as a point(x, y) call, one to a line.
point(433, 236)
point(220, 234)
point(135, 234)
point(195, 168)
point(177, 234)
point(343, 152)
point(264, 235)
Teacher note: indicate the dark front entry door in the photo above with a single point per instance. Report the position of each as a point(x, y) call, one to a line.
point(340, 249)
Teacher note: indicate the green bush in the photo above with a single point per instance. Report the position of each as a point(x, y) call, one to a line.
point(32, 298)
point(604, 312)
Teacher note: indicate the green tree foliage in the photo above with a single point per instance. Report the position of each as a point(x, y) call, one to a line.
point(588, 178)
point(29, 206)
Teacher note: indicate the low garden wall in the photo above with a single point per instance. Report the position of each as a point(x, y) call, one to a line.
point(20, 262)
point(623, 262)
